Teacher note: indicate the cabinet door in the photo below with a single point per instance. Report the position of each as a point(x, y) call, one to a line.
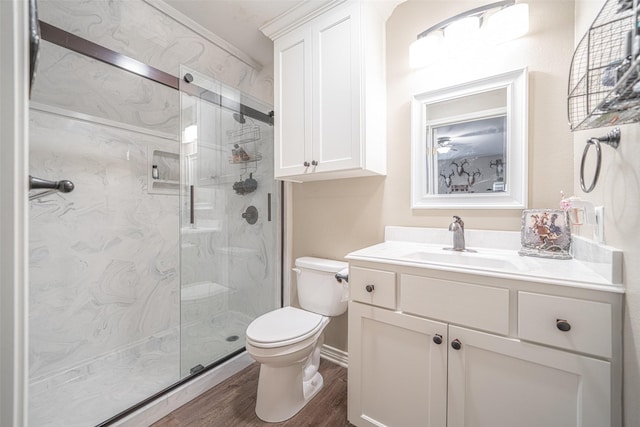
point(503, 382)
point(397, 373)
point(336, 91)
point(292, 99)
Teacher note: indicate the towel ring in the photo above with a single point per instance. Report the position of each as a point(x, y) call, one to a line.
point(612, 139)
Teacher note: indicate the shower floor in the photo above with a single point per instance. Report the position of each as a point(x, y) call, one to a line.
point(103, 387)
point(205, 342)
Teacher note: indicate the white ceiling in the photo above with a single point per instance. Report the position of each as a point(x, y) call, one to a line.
point(237, 21)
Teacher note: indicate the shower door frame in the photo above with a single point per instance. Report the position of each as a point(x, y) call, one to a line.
point(14, 105)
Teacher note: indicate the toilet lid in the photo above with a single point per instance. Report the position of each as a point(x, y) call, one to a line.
point(284, 324)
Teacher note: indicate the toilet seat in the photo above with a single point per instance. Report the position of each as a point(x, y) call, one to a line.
point(284, 326)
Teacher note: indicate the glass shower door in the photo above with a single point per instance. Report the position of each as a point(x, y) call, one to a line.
point(229, 219)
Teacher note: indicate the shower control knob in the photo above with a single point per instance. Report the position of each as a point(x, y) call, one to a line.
point(306, 164)
point(314, 162)
point(250, 215)
point(456, 344)
point(563, 325)
point(369, 288)
point(437, 339)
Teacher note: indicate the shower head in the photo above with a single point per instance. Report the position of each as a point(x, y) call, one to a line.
point(239, 117)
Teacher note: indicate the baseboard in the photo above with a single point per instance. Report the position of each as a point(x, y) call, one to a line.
point(335, 355)
point(171, 401)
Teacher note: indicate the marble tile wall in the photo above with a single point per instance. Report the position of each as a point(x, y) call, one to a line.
point(105, 259)
point(133, 28)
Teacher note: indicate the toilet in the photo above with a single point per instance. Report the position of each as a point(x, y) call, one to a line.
point(287, 341)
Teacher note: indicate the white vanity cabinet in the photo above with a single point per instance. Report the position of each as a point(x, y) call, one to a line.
point(452, 349)
point(330, 94)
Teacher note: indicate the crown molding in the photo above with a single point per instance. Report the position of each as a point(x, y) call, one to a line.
point(297, 16)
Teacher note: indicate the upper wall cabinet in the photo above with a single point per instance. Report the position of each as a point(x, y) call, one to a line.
point(330, 96)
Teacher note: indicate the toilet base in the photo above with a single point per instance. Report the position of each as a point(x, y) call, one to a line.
point(282, 393)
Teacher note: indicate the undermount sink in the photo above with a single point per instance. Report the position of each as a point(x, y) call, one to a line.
point(468, 259)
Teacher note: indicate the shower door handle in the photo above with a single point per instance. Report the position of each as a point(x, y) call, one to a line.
point(192, 211)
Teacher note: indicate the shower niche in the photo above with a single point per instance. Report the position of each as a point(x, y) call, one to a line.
point(166, 177)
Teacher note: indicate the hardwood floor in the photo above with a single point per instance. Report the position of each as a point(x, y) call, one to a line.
point(232, 403)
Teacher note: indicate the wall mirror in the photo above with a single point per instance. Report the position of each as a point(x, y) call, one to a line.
point(469, 145)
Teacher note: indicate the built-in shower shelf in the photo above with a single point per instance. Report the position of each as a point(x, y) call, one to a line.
point(237, 251)
point(159, 186)
point(199, 230)
point(168, 165)
point(200, 290)
point(166, 181)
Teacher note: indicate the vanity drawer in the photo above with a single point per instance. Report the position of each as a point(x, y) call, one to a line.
point(480, 307)
point(541, 318)
point(376, 287)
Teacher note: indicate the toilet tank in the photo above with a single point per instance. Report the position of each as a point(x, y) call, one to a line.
point(318, 289)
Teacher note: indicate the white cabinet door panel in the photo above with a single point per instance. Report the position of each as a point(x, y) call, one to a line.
point(336, 92)
point(293, 103)
point(397, 373)
point(503, 382)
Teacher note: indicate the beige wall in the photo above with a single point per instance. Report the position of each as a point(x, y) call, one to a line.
point(618, 190)
point(332, 218)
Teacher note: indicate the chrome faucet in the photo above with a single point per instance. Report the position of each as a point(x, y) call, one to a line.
point(457, 226)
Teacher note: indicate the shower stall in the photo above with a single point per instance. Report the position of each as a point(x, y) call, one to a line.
point(149, 271)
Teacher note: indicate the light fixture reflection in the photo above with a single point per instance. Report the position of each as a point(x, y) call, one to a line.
point(190, 134)
point(444, 145)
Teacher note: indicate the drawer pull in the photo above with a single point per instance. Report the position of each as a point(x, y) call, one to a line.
point(369, 288)
point(563, 325)
point(456, 344)
point(437, 339)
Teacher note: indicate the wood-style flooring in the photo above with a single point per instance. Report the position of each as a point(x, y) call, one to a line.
point(232, 403)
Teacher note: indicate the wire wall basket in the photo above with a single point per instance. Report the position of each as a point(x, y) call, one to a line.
point(244, 135)
point(604, 87)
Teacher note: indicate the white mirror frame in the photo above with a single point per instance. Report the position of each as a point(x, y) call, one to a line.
point(516, 171)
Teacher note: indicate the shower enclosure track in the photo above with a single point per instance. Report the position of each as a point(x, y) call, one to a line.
point(85, 47)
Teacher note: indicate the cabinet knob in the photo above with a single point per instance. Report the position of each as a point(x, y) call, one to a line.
point(306, 164)
point(369, 288)
point(563, 325)
point(314, 162)
point(437, 339)
point(456, 344)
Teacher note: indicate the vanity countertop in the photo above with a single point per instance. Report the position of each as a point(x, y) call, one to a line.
point(594, 266)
